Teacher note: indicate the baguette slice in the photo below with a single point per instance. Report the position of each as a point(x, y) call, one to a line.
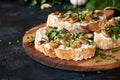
point(54, 21)
point(104, 39)
point(85, 51)
point(78, 25)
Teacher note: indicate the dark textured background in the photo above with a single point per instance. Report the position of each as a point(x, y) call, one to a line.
point(15, 19)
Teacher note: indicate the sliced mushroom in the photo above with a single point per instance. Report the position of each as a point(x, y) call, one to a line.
point(94, 27)
point(41, 42)
point(88, 35)
point(98, 11)
point(116, 10)
point(83, 41)
point(108, 13)
point(64, 41)
point(105, 33)
point(54, 44)
point(44, 6)
point(87, 18)
point(76, 44)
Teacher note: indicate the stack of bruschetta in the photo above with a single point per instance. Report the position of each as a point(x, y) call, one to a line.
point(75, 36)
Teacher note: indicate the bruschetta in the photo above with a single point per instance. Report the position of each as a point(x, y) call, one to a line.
point(61, 43)
point(80, 21)
point(109, 35)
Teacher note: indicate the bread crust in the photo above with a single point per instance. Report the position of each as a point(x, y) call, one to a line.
point(75, 54)
point(67, 54)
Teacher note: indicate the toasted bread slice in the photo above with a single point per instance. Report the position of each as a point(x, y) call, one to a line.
point(109, 37)
point(85, 51)
point(79, 22)
point(54, 21)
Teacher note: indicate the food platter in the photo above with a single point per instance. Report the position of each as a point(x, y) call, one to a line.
point(84, 65)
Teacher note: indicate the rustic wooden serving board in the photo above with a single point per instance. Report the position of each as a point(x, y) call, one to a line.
point(84, 65)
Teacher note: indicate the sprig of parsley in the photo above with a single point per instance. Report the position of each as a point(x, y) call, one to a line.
point(103, 55)
point(114, 32)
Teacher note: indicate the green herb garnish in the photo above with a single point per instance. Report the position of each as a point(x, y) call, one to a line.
point(32, 39)
point(55, 34)
point(79, 35)
point(115, 50)
point(103, 55)
point(48, 32)
point(81, 15)
point(96, 61)
point(89, 14)
point(90, 42)
point(113, 31)
point(100, 53)
point(99, 72)
point(61, 36)
point(66, 46)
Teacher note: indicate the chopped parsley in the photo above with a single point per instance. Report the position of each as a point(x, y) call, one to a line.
point(103, 55)
point(90, 42)
point(96, 61)
point(48, 32)
point(79, 35)
point(81, 15)
point(99, 72)
point(115, 50)
point(66, 38)
point(55, 34)
point(89, 14)
point(114, 30)
point(61, 36)
point(32, 39)
point(66, 46)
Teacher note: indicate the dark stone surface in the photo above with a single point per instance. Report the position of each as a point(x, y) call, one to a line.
point(15, 19)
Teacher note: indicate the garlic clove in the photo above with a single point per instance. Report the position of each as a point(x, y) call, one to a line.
point(78, 2)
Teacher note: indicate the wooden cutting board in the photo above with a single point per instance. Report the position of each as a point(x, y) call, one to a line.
point(93, 64)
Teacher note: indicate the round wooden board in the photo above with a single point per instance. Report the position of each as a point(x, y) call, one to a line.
point(84, 65)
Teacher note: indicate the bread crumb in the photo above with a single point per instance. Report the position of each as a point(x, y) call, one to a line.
point(9, 42)
point(18, 41)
